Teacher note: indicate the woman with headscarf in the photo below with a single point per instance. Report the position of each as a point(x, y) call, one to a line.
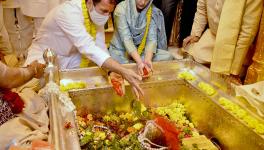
point(139, 34)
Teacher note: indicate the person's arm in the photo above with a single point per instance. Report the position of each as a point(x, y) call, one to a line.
point(200, 19)
point(128, 74)
point(100, 38)
point(151, 44)
point(14, 77)
point(123, 30)
point(199, 24)
point(70, 20)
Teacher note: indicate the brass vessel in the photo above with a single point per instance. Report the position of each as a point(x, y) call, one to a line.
point(163, 88)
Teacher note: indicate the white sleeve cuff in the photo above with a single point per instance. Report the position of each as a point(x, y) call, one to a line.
point(94, 53)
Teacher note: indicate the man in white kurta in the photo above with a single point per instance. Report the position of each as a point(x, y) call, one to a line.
point(64, 31)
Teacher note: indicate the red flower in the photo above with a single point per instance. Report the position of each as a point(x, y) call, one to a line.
point(117, 82)
point(170, 132)
point(145, 71)
point(117, 85)
point(15, 102)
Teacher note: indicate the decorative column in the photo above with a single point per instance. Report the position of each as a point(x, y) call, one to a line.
point(255, 71)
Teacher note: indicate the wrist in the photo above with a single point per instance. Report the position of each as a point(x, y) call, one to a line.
point(139, 62)
point(147, 59)
point(26, 74)
point(32, 71)
point(148, 55)
point(123, 71)
point(136, 57)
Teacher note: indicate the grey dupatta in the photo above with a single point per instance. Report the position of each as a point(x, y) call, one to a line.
point(137, 23)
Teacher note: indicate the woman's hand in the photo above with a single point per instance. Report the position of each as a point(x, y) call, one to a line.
point(36, 69)
point(148, 63)
point(144, 69)
point(140, 64)
point(140, 67)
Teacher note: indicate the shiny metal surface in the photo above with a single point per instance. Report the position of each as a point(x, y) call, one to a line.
point(208, 116)
point(96, 77)
point(162, 89)
point(59, 137)
point(162, 71)
point(50, 56)
point(54, 124)
point(51, 72)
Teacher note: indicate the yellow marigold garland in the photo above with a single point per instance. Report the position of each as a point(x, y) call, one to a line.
point(90, 28)
point(141, 47)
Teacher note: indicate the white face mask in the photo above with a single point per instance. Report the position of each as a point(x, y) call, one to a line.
point(98, 18)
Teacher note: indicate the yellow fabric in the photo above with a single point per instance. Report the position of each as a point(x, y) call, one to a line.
point(202, 51)
point(208, 13)
point(34, 84)
point(5, 45)
point(237, 28)
point(90, 28)
point(11, 60)
point(249, 29)
point(142, 45)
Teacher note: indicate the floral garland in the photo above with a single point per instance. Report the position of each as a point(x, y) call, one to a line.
point(63, 97)
point(141, 47)
point(90, 28)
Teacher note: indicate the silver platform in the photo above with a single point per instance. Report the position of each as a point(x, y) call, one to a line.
point(161, 89)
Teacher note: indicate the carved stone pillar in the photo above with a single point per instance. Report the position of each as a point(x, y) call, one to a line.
point(255, 72)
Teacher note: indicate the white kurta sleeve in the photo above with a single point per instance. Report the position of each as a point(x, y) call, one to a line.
point(70, 20)
point(100, 38)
